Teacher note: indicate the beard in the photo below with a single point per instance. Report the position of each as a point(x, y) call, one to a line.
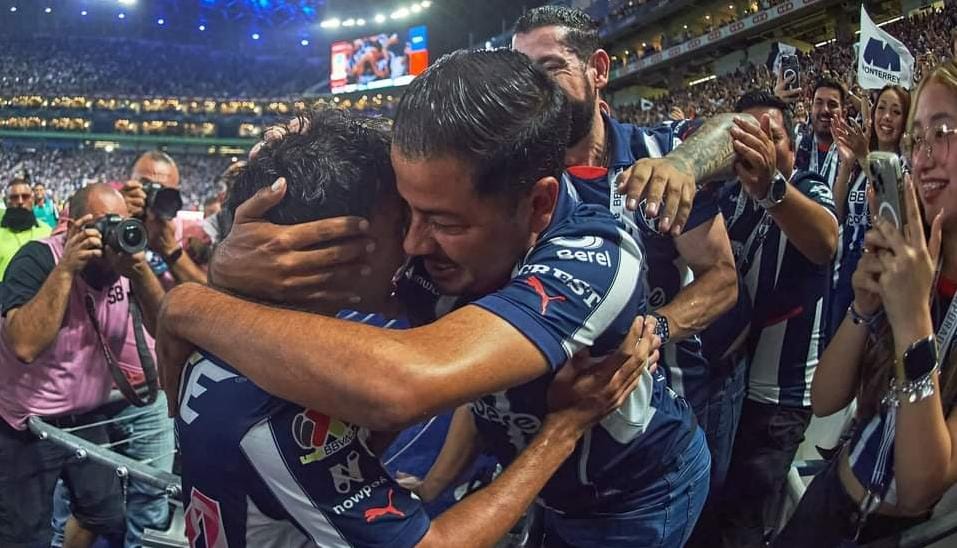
point(583, 115)
point(19, 219)
point(99, 275)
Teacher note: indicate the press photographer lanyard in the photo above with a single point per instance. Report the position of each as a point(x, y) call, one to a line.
point(146, 358)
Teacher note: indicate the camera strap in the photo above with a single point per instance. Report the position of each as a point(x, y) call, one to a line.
point(146, 357)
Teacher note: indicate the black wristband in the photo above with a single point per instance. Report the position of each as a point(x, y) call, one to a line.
point(173, 257)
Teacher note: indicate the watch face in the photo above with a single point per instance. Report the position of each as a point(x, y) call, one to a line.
point(779, 187)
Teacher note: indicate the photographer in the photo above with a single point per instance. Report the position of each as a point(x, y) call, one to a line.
point(150, 196)
point(66, 306)
point(901, 455)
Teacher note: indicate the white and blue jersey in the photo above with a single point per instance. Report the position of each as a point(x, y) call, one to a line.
point(686, 367)
point(578, 287)
point(261, 471)
point(819, 158)
point(852, 230)
point(788, 294)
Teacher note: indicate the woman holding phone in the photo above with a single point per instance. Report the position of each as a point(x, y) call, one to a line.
point(895, 352)
point(881, 131)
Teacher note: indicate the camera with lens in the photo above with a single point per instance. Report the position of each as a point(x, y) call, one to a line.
point(121, 235)
point(163, 201)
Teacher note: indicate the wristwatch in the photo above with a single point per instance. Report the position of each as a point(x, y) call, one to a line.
point(173, 257)
point(662, 329)
point(777, 190)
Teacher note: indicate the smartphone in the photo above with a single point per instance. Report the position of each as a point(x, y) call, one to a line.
point(887, 177)
point(790, 67)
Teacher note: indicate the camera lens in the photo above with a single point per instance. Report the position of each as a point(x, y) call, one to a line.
point(131, 236)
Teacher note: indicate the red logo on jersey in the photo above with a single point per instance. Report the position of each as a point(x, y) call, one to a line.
point(320, 434)
point(539, 289)
point(204, 522)
point(373, 514)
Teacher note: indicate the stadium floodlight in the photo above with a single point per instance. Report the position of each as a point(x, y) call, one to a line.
point(350, 22)
point(360, 22)
point(304, 42)
point(83, 13)
point(48, 10)
point(330, 23)
point(426, 4)
point(416, 8)
point(13, 9)
point(379, 18)
point(255, 36)
point(126, 2)
point(161, 21)
point(400, 13)
point(202, 28)
point(121, 15)
point(702, 80)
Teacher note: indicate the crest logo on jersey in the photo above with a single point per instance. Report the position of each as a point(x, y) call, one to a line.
point(204, 521)
point(373, 514)
point(320, 433)
point(539, 288)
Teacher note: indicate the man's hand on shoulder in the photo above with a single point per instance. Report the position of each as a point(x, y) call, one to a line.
point(668, 179)
point(310, 263)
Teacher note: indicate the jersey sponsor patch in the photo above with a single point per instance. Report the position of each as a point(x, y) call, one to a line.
point(204, 521)
point(320, 434)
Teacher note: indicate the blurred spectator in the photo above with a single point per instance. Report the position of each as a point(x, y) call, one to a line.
point(19, 224)
point(43, 206)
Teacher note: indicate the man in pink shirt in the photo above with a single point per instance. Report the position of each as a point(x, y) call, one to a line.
point(53, 364)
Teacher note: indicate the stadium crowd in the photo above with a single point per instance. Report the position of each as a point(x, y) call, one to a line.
point(65, 170)
point(927, 35)
point(613, 325)
point(113, 67)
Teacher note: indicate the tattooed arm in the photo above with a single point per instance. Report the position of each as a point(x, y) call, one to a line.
point(706, 156)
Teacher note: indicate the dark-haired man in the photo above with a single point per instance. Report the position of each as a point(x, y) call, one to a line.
point(816, 149)
point(784, 231)
point(257, 469)
point(478, 149)
point(43, 206)
point(53, 364)
point(690, 270)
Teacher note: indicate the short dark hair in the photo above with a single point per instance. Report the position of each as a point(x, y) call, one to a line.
point(581, 31)
point(338, 165)
point(16, 181)
point(495, 109)
point(826, 82)
point(38, 183)
point(760, 98)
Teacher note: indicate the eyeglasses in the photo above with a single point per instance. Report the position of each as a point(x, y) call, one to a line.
point(22, 197)
point(933, 139)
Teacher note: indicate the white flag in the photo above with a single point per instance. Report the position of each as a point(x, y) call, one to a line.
point(882, 59)
point(646, 104)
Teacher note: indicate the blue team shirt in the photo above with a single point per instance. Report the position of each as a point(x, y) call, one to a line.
point(685, 363)
point(261, 471)
point(787, 291)
point(852, 230)
point(579, 286)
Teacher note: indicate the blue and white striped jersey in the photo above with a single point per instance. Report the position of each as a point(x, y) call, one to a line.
point(788, 294)
point(686, 367)
point(855, 225)
point(578, 287)
point(260, 471)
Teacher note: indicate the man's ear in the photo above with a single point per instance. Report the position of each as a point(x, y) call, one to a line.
point(542, 200)
point(602, 65)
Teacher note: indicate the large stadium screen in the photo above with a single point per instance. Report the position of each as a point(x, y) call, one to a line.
point(379, 61)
